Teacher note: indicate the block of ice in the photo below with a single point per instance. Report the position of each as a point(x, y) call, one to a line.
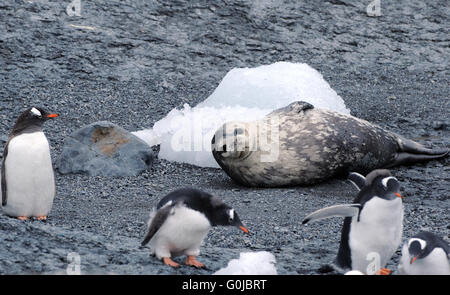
point(244, 94)
point(250, 263)
point(274, 86)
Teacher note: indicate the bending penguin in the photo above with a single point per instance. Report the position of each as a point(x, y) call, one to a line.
point(373, 224)
point(27, 179)
point(182, 220)
point(425, 254)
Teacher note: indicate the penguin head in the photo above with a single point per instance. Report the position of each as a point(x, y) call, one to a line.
point(423, 243)
point(37, 115)
point(34, 116)
point(225, 215)
point(416, 248)
point(382, 184)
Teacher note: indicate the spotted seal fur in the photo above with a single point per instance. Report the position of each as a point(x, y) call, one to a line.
point(309, 145)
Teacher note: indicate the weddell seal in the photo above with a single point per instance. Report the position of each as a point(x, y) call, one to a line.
point(302, 145)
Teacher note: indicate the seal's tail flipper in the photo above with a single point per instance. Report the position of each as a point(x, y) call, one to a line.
point(412, 147)
point(412, 152)
point(409, 158)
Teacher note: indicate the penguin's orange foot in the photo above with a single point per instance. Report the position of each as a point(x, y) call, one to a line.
point(43, 217)
point(22, 217)
point(170, 262)
point(384, 272)
point(190, 260)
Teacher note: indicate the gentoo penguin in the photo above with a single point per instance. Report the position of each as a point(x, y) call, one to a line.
point(181, 221)
point(373, 224)
point(27, 180)
point(425, 254)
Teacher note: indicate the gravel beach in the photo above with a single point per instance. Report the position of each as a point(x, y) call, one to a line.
point(131, 62)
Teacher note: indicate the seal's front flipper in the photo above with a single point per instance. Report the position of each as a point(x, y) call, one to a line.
point(409, 158)
point(346, 210)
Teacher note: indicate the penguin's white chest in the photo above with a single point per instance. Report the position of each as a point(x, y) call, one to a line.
point(435, 263)
point(30, 182)
point(182, 233)
point(376, 236)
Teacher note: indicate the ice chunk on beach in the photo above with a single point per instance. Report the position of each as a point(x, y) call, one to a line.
point(274, 86)
point(250, 263)
point(244, 94)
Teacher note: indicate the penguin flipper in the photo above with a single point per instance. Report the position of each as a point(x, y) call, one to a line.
point(3, 176)
point(357, 179)
point(156, 222)
point(346, 210)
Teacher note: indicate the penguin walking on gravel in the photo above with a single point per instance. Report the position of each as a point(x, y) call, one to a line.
point(373, 224)
point(27, 179)
point(182, 220)
point(425, 254)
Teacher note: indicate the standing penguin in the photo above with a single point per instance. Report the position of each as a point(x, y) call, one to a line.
point(27, 179)
point(181, 221)
point(425, 254)
point(373, 224)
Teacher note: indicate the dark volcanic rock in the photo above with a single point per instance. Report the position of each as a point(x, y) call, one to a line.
point(103, 148)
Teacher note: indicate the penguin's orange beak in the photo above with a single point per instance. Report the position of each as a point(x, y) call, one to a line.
point(398, 195)
point(244, 229)
point(413, 259)
point(52, 116)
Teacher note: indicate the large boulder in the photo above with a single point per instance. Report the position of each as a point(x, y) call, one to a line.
point(103, 148)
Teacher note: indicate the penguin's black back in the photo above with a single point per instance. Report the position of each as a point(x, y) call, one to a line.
point(344, 258)
point(194, 199)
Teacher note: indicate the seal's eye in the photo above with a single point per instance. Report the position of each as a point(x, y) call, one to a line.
point(238, 131)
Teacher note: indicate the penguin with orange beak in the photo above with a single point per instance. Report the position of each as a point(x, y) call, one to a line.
point(27, 178)
point(373, 224)
point(182, 220)
point(425, 254)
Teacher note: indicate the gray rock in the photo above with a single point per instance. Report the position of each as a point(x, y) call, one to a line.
point(439, 125)
point(105, 149)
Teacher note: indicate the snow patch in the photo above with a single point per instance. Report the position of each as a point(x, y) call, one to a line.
point(250, 263)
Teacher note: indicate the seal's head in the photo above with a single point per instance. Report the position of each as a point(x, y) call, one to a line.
point(231, 142)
